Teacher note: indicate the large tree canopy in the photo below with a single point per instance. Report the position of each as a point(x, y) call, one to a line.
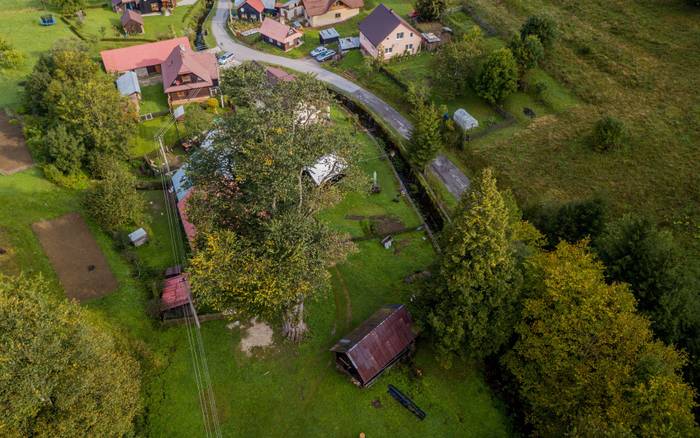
point(60, 375)
point(67, 88)
point(455, 64)
point(253, 198)
point(586, 361)
point(473, 300)
point(498, 77)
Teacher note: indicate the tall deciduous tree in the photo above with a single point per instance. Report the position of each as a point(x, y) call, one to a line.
point(498, 78)
point(586, 362)
point(253, 179)
point(477, 290)
point(60, 375)
point(430, 10)
point(455, 64)
point(67, 88)
point(571, 221)
point(528, 51)
point(114, 201)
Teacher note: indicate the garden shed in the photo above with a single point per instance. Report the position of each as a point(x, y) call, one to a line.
point(349, 43)
point(465, 120)
point(175, 297)
point(132, 22)
point(328, 36)
point(378, 343)
point(138, 237)
point(327, 168)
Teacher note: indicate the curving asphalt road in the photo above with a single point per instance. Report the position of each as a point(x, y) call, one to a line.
point(455, 181)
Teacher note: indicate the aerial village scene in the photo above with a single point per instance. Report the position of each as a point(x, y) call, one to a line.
point(349, 218)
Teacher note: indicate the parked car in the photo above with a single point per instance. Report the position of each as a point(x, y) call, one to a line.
point(317, 51)
point(325, 56)
point(226, 57)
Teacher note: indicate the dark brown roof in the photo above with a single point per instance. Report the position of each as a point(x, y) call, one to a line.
point(181, 61)
point(131, 16)
point(320, 7)
point(377, 341)
point(275, 75)
point(380, 23)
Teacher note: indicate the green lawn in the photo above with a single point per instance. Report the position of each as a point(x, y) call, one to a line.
point(153, 99)
point(144, 142)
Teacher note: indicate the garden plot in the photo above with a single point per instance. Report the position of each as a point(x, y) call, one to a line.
point(80, 264)
point(14, 155)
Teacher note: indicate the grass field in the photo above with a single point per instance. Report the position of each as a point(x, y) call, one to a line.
point(637, 61)
point(285, 390)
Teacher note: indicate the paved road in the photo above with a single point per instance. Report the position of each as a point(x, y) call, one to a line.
point(453, 178)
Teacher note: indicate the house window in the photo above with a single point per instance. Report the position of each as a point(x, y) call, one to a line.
point(185, 79)
point(387, 50)
point(155, 7)
point(399, 35)
point(409, 47)
point(337, 15)
point(410, 34)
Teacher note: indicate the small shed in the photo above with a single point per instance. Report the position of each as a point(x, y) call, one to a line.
point(378, 343)
point(176, 296)
point(132, 22)
point(349, 43)
point(430, 41)
point(328, 36)
point(465, 120)
point(138, 237)
point(128, 86)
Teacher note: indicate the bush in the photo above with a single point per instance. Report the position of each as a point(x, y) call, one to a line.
point(65, 151)
point(609, 133)
point(498, 77)
point(543, 27)
point(570, 222)
point(527, 51)
point(430, 10)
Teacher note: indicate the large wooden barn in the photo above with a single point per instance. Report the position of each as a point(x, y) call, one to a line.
point(378, 343)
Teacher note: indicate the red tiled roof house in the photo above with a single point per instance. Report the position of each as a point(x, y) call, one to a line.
point(251, 10)
point(187, 76)
point(280, 35)
point(384, 34)
point(190, 76)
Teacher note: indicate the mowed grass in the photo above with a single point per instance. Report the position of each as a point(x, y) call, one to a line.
point(153, 99)
point(636, 61)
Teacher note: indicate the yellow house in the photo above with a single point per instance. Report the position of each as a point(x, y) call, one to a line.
point(321, 13)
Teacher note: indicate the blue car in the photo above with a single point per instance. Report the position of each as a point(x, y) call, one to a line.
point(325, 56)
point(226, 57)
point(317, 51)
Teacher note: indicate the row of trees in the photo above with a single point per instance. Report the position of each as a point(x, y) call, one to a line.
point(564, 326)
point(261, 249)
point(465, 63)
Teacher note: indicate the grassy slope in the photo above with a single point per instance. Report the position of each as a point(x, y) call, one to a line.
point(635, 60)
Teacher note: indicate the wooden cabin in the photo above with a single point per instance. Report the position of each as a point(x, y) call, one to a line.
point(132, 22)
point(175, 298)
point(377, 344)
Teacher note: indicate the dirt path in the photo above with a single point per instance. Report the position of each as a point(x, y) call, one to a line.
point(14, 155)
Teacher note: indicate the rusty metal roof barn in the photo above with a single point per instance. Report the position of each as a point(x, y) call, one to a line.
point(379, 342)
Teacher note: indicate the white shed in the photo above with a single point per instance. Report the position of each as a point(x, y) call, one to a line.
point(465, 120)
point(326, 169)
point(138, 237)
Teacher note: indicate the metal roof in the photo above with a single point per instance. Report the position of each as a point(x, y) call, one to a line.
point(326, 168)
point(380, 23)
point(349, 43)
point(128, 84)
point(329, 34)
point(377, 341)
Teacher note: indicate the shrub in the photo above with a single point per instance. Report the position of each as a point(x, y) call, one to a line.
point(543, 27)
point(498, 77)
point(527, 51)
point(430, 10)
point(609, 133)
point(65, 150)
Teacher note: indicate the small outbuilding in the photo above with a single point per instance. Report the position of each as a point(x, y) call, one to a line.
point(328, 36)
point(465, 120)
point(348, 43)
point(176, 296)
point(377, 344)
point(138, 237)
point(328, 168)
point(128, 86)
point(132, 22)
point(430, 41)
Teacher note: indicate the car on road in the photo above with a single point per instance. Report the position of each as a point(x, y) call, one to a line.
point(225, 58)
point(325, 56)
point(317, 51)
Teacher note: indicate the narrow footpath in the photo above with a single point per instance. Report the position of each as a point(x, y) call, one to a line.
point(454, 179)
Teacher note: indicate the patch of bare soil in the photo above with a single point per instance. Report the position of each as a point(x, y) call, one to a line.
point(258, 334)
point(75, 256)
point(14, 155)
point(383, 225)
